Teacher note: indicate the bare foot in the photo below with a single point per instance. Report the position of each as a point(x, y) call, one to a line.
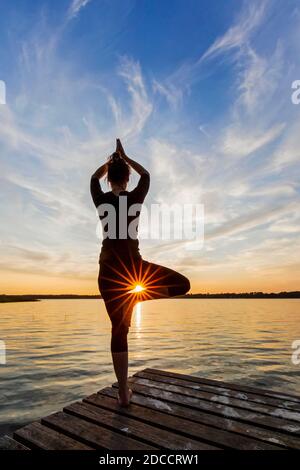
point(124, 398)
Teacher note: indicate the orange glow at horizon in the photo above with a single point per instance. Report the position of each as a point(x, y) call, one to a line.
point(208, 280)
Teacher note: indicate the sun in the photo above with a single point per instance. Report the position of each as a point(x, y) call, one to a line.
point(138, 288)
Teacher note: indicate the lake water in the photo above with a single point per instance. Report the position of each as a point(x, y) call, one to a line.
point(58, 350)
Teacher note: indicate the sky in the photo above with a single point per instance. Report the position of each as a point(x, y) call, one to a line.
point(199, 91)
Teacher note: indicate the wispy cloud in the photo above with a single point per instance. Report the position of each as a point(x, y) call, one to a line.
point(141, 106)
point(254, 220)
point(258, 79)
point(236, 38)
point(239, 142)
point(76, 6)
point(172, 94)
point(239, 33)
point(288, 152)
point(231, 143)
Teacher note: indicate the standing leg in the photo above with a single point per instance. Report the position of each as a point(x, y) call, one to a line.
point(120, 317)
point(119, 350)
point(120, 362)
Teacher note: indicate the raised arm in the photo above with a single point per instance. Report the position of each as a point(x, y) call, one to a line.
point(95, 188)
point(135, 165)
point(100, 172)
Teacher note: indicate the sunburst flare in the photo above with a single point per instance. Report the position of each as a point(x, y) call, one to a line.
point(137, 288)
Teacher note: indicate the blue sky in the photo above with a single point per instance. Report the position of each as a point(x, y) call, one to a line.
point(199, 92)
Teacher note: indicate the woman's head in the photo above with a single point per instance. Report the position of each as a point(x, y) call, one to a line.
point(118, 170)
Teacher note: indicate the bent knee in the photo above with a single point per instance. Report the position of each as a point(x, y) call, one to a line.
point(181, 288)
point(185, 287)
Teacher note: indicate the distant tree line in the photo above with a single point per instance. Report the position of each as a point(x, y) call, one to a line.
point(36, 297)
point(226, 295)
point(246, 295)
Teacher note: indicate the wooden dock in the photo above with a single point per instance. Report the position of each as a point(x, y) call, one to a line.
point(169, 411)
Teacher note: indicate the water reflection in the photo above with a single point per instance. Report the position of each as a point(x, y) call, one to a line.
point(138, 315)
point(59, 350)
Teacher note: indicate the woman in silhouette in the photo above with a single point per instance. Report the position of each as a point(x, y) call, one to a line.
point(125, 278)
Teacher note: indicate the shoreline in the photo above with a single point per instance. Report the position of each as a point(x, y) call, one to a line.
point(245, 295)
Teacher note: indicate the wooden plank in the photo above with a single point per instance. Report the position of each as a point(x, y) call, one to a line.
point(223, 391)
point(91, 434)
point(245, 388)
point(219, 409)
point(213, 436)
point(195, 417)
point(224, 400)
point(131, 427)
point(8, 443)
point(37, 436)
point(169, 411)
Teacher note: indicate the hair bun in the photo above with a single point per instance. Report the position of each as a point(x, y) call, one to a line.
point(115, 157)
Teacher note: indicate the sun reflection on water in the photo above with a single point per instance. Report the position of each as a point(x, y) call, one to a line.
point(138, 315)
